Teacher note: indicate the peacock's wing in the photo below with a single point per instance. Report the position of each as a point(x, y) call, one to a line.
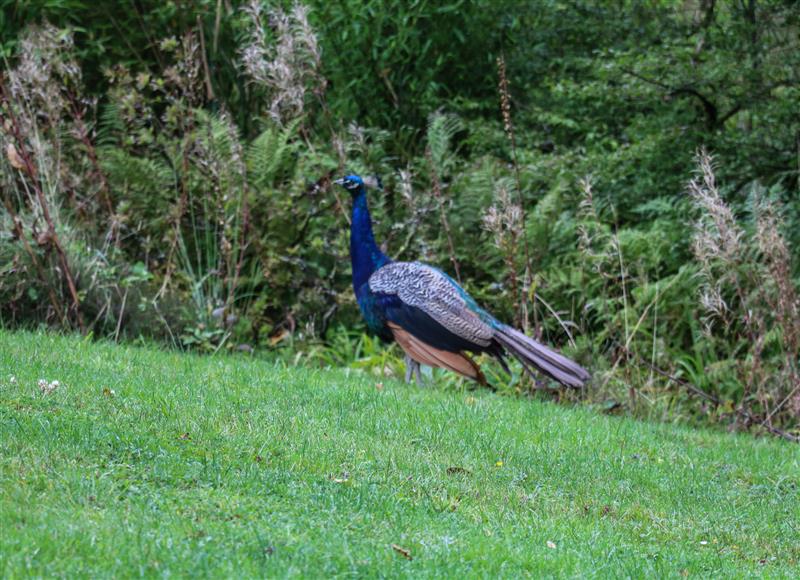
point(429, 305)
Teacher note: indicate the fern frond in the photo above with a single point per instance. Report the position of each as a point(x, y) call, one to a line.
point(110, 125)
point(269, 155)
point(442, 128)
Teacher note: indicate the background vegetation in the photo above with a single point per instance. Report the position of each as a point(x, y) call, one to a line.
point(619, 178)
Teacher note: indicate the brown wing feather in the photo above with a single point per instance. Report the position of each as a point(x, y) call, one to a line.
point(425, 354)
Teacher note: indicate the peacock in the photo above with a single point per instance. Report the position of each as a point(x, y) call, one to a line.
point(431, 317)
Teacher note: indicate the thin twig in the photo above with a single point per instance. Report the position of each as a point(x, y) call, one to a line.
point(121, 314)
point(563, 324)
point(206, 71)
point(217, 21)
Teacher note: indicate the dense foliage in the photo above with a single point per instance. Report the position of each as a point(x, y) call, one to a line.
point(167, 175)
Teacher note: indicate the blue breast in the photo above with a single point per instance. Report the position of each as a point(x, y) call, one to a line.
point(373, 314)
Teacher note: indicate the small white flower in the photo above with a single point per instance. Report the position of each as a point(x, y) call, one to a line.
point(47, 387)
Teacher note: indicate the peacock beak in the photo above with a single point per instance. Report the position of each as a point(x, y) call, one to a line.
point(339, 181)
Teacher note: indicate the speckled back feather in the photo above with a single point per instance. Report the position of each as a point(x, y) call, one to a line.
point(433, 292)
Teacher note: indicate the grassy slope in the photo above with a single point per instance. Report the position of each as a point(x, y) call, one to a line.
point(297, 471)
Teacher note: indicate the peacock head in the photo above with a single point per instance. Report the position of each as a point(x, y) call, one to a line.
point(352, 183)
point(355, 184)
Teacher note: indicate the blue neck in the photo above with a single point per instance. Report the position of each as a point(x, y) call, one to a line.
point(365, 255)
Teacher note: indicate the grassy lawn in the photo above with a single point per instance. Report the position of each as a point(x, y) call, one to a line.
point(150, 463)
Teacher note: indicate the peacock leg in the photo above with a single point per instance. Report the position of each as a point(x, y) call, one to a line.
point(418, 374)
point(409, 368)
point(412, 369)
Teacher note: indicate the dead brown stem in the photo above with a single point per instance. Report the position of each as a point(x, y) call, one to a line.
point(505, 109)
point(52, 235)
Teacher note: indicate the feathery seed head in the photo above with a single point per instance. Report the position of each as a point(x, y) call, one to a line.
point(283, 56)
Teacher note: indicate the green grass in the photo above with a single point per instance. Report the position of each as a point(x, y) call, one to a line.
point(232, 467)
